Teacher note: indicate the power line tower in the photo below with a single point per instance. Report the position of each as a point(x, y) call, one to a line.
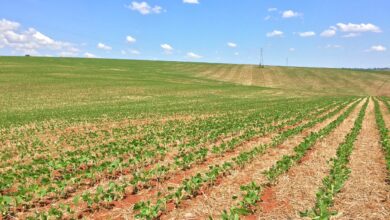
point(261, 64)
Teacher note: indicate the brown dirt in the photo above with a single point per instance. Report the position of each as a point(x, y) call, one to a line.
point(365, 194)
point(179, 176)
point(386, 114)
point(268, 199)
point(175, 178)
point(51, 137)
point(296, 189)
point(219, 197)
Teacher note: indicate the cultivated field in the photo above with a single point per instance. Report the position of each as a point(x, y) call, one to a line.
point(117, 139)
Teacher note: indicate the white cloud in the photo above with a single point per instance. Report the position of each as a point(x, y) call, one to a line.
point(31, 40)
point(275, 33)
point(89, 55)
point(350, 27)
point(272, 9)
point(231, 44)
point(103, 46)
point(378, 48)
point(328, 33)
point(144, 8)
point(307, 34)
point(167, 48)
point(290, 14)
point(135, 52)
point(6, 25)
point(11, 36)
point(193, 55)
point(350, 35)
point(130, 39)
point(191, 1)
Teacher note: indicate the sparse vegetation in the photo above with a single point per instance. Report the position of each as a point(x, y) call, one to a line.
point(80, 137)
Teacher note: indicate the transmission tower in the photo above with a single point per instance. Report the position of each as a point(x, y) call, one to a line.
point(261, 64)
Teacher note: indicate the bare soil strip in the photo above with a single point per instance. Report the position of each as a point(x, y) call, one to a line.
point(296, 190)
point(385, 114)
point(56, 139)
point(218, 198)
point(178, 175)
point(125, 207)
point(365, 194)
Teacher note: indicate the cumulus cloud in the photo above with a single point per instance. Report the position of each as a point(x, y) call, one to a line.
point(378, 48)
point(144, 8)
point(350, 27)
point(231, 44)
point(191, 1)
point(167, 48)
point(329, 32)
point(31, 40)
point(130, 39)
point(89, 55)
point(193, 55)
point(275, 33)
point(6, 25)
point(353, 30)
point(307, 34)
point(103, 46)
point(290, 14)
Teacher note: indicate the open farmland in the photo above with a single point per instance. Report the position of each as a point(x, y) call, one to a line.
point(119, 139)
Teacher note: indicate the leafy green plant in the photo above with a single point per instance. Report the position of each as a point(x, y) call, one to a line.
point(339, 173)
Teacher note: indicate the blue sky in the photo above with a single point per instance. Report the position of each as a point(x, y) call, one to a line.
point(331, 33)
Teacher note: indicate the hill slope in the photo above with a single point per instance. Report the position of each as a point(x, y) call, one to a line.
point(41, 88)
point(311, 80)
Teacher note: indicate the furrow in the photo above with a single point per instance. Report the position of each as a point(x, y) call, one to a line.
point(215, 160)
point(296, 189)
point(219, 198)
point(365, 194)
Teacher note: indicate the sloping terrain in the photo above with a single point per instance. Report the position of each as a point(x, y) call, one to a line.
point(119, 139)
point(301, 79)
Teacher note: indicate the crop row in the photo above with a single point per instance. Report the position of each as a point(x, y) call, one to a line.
point(112, 166)
point(339, 173)
point(87, 197)
point(188, 159)
point(386, 101)
point(283, 165)
point(191, 186)
point(384, 133)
